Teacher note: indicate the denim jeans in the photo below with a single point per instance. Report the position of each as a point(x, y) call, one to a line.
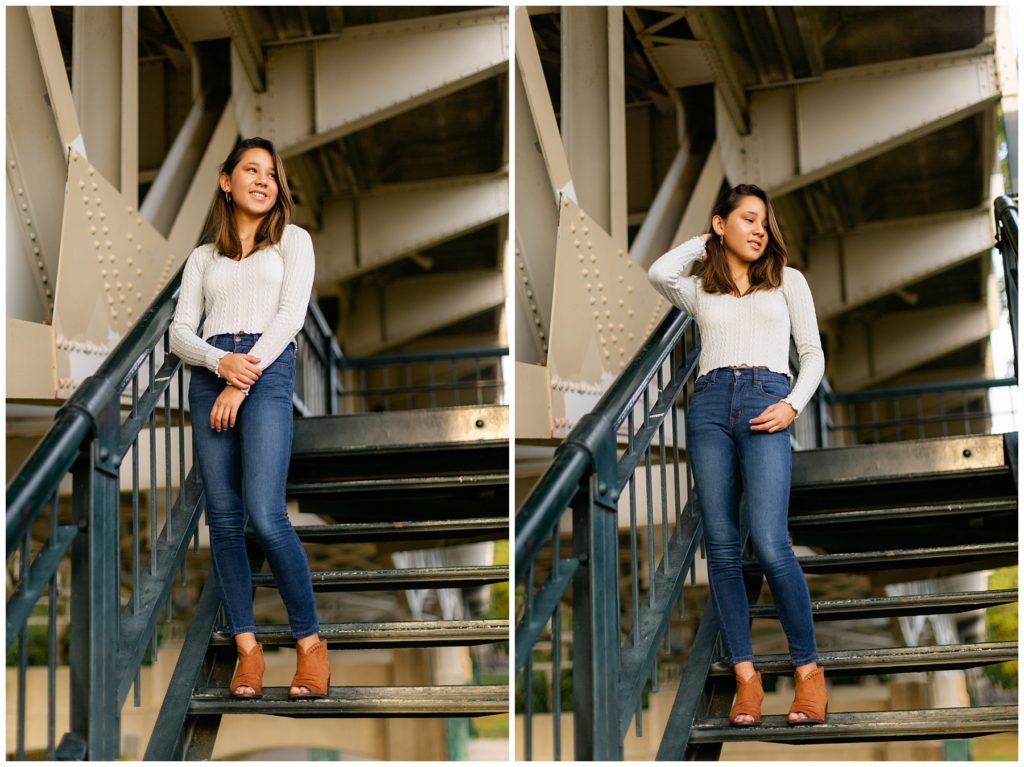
point(727, 456)
point(244, 469)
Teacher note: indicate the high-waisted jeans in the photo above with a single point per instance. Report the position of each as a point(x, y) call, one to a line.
point(726, 455)
point(244, 469)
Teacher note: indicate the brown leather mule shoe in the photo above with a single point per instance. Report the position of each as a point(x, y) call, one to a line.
point(749, 697)
point(313, 672)
point(249, 674)
point(811, 699)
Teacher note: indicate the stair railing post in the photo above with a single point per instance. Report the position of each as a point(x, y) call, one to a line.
point(95, 715)
point(596, 634)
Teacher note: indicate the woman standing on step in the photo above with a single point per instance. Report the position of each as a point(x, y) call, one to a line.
point(746, 302)
point(253, 283)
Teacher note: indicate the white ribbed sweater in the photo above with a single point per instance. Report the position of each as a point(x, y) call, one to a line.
point(266, 292)
point(753, 329)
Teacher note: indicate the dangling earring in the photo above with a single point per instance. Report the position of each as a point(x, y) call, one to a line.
point(227, 197)
point(721, 240)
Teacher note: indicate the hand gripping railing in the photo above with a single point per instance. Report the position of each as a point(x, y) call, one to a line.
point(64, 555)
point(591, 468)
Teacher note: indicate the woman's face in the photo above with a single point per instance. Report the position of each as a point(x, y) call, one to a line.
point(252, 183)
point(746, 229)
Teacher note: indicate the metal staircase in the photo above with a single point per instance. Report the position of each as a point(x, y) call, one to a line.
point(941, 507)
point(415, 478)
point(400, 480)
point(890, 513)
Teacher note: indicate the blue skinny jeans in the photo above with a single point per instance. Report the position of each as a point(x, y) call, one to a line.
point(726, 455)
point(244, 470)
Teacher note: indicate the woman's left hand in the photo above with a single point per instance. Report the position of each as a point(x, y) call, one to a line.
point(774, 418)
point(225, 408)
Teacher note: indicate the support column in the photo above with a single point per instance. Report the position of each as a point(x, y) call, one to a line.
point(593, 113)
point(96, 84)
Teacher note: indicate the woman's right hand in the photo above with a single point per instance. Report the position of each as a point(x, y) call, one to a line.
point(239, 370)
point(707, 238)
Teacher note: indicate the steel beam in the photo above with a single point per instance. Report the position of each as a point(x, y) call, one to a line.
point(536, 224)
point(246, 43)
point(399, 220)
point(603, 310)
point(129, 181)
point(409, 308)
point(96, 81)
point(52, 62)
point(535, 87)
point(697, 216)
point(901, 341)
point(879, 258)
point(36, 165)
point(593, 113)
point(195, 204)
point(370, 73)
point(802, 133)
point(707, 26)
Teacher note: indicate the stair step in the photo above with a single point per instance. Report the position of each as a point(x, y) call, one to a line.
point(904, 514)
point(410, 578)
point(889, 660)
point(362, 702)
point(901, 558)
point(866, 726)
point(914, 604)
point(475, 480)
point(360, 636)
point(479, 528)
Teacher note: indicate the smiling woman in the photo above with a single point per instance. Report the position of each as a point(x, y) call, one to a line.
point(253, 283)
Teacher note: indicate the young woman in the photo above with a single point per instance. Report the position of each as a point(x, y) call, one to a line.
point(746, 302)
point(253, 284)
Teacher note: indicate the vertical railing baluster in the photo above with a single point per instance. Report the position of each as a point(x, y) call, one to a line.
point(664, 479)
point(649, 487)
point(963, 402)
point(479, 392)
point(26, 555)
point(528, 667)
point(556, 652)
point(455, 383)
point(362, 386)
point(51, 636)
point(874, 421)
point(634, 557)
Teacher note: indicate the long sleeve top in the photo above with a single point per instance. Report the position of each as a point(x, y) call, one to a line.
point(267, 292)
point(753, 329)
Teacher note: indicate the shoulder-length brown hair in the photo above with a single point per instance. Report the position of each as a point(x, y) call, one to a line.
point(223, 233)
point(766, 272)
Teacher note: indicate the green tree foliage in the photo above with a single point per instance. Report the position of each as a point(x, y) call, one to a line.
point(1001, 626)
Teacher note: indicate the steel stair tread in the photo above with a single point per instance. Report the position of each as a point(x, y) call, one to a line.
point(897, 558)
point(902, 514)
point(421, 577)
point(889, 660)
point(444, 481)
point(344, 532)
point(914, 604)
point(390, 634)
point(865, 726)
point(430, 701)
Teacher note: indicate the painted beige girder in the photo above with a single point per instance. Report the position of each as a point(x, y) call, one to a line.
point(411, 65)
point(394, 221)
point(876, 259)
point(901, 341)
point(603, 310)
point(851, 115)
point(411, 307)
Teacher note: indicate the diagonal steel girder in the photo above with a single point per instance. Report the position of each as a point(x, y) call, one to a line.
point(877, 258)
point(367, 74)
point(805, 132)
point(363, 233)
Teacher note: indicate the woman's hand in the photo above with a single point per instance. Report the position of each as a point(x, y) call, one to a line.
point(239, 369)
point(707, 238)
point(774, 418)
point(225, 408)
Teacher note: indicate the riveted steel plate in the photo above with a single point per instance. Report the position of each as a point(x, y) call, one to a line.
point(603, 309)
